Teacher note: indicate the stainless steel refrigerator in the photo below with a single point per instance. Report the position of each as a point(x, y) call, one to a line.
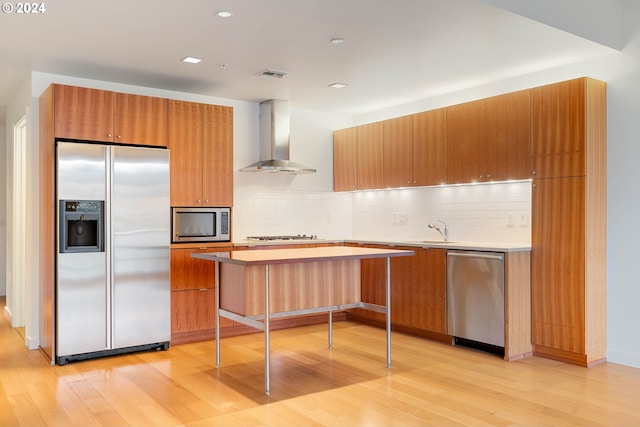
point(112, 270)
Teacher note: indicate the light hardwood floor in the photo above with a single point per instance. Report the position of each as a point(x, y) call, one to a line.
point(429, 384)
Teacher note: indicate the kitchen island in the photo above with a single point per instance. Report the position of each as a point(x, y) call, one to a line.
point(254, 286)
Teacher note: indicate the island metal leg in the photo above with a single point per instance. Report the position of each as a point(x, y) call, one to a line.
point(388, 312)
point(217, 284)
point(330, 328)
point(266, 332)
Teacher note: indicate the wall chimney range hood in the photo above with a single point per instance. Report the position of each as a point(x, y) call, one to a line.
point(274, 141)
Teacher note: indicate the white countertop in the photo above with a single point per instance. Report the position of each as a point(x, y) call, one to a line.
point(471, 246)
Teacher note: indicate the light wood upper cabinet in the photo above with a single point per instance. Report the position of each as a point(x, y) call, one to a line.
point(398, 152)
point(105, 116)
point(507, 152)
point(370, 155)
point(357, 158)
point(466, 142)
point(345, 159)
point(141, 120)
point(558, 129)
point(490, 139)
point(201, 143)
point(429, 148)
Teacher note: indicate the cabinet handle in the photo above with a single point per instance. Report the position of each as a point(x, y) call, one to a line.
point(206, 201)
point(533, 173)
point(488, 176)
point(109, 135)
point(199, 201)
point(119, 136)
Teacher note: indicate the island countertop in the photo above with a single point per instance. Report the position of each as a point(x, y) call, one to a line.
point(296, 255)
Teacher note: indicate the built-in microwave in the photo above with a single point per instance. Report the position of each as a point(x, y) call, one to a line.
point(200, 224)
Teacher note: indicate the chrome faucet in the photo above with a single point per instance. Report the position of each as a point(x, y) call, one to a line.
point(445, 233)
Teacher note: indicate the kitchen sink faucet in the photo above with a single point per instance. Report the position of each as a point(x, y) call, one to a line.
point(445, 234)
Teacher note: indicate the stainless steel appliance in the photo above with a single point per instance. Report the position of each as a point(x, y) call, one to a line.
point(200, 224)
point(112, 270)
point(475, 298)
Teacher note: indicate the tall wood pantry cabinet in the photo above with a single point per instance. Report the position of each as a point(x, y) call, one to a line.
point(568, 259)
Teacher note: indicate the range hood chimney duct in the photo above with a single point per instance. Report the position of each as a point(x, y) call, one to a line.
point(274, 141)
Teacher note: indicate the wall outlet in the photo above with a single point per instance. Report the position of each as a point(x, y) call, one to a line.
point(524, 219)
point(400, 218)
point(329, 218)
point(511, 219)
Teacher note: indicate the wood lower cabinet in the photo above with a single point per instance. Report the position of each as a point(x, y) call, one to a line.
point(193, 296)
point(105, 116)
point(201, 143)
point(418, 290)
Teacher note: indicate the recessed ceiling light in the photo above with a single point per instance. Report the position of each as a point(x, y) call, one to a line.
point(191, 59)
point(338, 85)
point(337, 40)
point(224, 14)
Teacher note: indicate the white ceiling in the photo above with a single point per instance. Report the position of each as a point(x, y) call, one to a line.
point(394, 51)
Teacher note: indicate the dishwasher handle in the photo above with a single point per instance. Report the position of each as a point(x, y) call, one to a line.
point(477, 254)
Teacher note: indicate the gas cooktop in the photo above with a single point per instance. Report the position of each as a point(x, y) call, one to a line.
point(279, 238)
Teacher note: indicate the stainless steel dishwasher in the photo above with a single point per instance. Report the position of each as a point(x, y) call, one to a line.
point(475, 299)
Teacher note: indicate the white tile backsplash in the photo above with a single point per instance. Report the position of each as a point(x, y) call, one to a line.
point(482, 212)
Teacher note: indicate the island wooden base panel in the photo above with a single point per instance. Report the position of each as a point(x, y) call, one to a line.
point(428, 384)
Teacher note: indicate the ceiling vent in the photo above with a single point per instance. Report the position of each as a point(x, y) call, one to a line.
point(272, 74)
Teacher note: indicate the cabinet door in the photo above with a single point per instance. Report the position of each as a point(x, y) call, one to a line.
point(81, 113)
point(558, 129)
point(508, 136)
point(217, 155)
point(398, 152)
point(429, 148)
point(345, 159)
point(465, 142)
point(558, 263)
point(191, 273)
point(418, 289)
point(429, 298)
point(193, 310)
point(141, 120)
point(185, 143)
point(370, 156)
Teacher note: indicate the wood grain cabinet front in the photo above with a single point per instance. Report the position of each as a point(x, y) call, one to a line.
point(568, 260)
point(201, 143)
point(358, 154)
point(418, 290)
point(105, 116)
point(193, 296)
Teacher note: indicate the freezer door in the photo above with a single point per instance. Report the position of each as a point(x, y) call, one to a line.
point(81, 285)
point(140, 212)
